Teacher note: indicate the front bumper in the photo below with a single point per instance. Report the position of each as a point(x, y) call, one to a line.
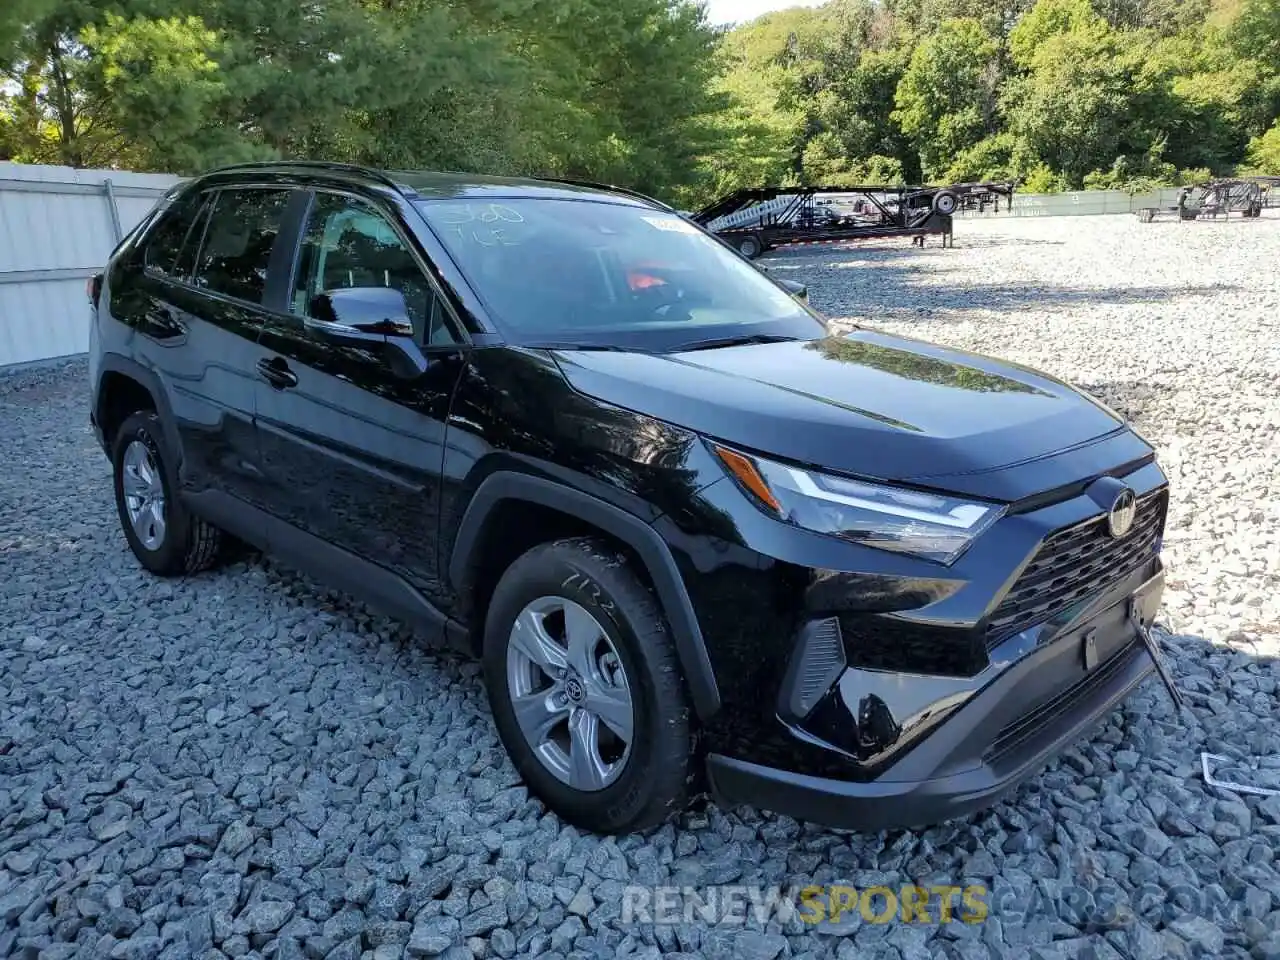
point(1009, 723)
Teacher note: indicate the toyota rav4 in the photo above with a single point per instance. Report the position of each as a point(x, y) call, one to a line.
point(699, 540)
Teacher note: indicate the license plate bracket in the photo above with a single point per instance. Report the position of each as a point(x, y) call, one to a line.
point(1141, 610)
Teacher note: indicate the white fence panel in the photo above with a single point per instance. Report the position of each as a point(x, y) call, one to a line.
point(1079, 203)
point(57, 227)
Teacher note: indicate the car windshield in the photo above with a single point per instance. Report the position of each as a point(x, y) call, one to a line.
point(608, 275)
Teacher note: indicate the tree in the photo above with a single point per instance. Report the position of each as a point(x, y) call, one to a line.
point(645, 93)
point(857, 109)
point(154, 85)
point(1264, 152)
point(998, 157)
point(1252, 29)
point(16, 17)
point(1047, 19)
point(1074, 109)
point(946, 100)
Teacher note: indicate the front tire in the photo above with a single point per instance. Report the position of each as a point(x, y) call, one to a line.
point(166, 538)
point(586, 689)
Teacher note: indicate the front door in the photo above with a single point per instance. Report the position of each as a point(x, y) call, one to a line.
point(352, 448)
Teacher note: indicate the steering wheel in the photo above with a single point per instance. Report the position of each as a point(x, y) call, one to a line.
point(661, 302)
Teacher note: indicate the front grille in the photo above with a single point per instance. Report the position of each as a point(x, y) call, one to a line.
point(1042, 717)
point(1075, 563)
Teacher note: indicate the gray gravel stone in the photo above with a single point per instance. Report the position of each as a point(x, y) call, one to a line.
point(1201, 934)
point(237, 839)
point(137, 948)
point(503, 942)
point(266, 916)
point(753, 945)
point(432, 937)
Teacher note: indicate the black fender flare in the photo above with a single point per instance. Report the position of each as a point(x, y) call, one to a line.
point(150, 381)
point(653, 552)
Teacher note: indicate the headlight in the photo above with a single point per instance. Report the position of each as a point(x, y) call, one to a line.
point(927, 525)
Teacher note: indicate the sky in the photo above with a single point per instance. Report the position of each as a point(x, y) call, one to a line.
point(736, 11)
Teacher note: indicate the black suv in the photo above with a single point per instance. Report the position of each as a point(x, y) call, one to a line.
point(697, 539)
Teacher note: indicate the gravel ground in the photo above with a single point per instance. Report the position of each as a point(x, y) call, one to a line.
point(244, 764)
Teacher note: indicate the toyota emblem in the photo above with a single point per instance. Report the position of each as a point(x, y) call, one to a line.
point(1123, 509)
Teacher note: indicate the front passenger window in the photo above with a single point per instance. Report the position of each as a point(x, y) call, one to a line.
point(348, 244)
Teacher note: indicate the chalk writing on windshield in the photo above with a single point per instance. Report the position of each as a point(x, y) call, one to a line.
point(486, 224)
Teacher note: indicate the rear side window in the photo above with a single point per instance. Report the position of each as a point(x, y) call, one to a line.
point(242, 229)
point(171, 237)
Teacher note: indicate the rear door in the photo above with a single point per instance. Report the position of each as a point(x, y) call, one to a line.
point(197, 309)
point(352, 448)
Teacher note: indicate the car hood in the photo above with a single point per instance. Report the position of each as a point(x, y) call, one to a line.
point(864, 403)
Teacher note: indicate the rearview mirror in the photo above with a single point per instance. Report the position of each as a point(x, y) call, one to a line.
point(795, 288)
point(371, 318)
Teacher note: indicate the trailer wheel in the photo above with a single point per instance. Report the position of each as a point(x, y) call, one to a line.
point(945, 203)
point(1146, 214)
point(750, 247)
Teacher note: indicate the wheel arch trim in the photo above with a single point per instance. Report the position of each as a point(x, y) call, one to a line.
point(653, 552)
point(149, 381)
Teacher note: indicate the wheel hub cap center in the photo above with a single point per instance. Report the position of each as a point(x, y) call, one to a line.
point(575, 690)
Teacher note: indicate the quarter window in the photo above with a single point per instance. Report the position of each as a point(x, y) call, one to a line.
point(172, 236)
point(349, 244)
point(237, 243)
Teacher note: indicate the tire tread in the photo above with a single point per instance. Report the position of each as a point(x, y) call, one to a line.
point(669, 768)
point(200, 545)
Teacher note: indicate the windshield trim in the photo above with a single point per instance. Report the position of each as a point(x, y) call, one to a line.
point(803, 324)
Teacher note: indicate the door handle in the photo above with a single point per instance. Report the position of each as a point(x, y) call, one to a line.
point(277, 373)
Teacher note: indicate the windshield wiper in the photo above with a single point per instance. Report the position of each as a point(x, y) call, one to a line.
point(738, 341)
point(570, 345)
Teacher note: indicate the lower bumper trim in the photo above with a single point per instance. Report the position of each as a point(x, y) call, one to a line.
point(890, 804)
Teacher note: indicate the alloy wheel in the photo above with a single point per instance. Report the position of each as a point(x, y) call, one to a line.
point(569, 693)
point(143, 494)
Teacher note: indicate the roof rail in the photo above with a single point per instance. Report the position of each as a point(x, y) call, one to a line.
point(612, 188)
point(371, 172)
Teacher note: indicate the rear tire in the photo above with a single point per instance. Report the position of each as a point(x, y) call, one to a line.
point(163, 534)
point(599, 642)
point(750, 247)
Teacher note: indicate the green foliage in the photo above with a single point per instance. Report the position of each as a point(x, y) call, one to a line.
point(1050, 18)
point(1060, 94)
point(1084, 101)
point(573, 87)
point(946, 99)
point(1042, 179)
point(825, 164)
point(155, 83)
point(1264, 152)
point(1253, 29)
point(877, 169)
point(997, 157)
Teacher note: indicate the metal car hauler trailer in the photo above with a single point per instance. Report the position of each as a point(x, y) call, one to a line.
point(759, 219)
point(1247, 196)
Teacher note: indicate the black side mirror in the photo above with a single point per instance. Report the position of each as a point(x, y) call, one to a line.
point(795, 288)
point(371, 318)
point(364, 309)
